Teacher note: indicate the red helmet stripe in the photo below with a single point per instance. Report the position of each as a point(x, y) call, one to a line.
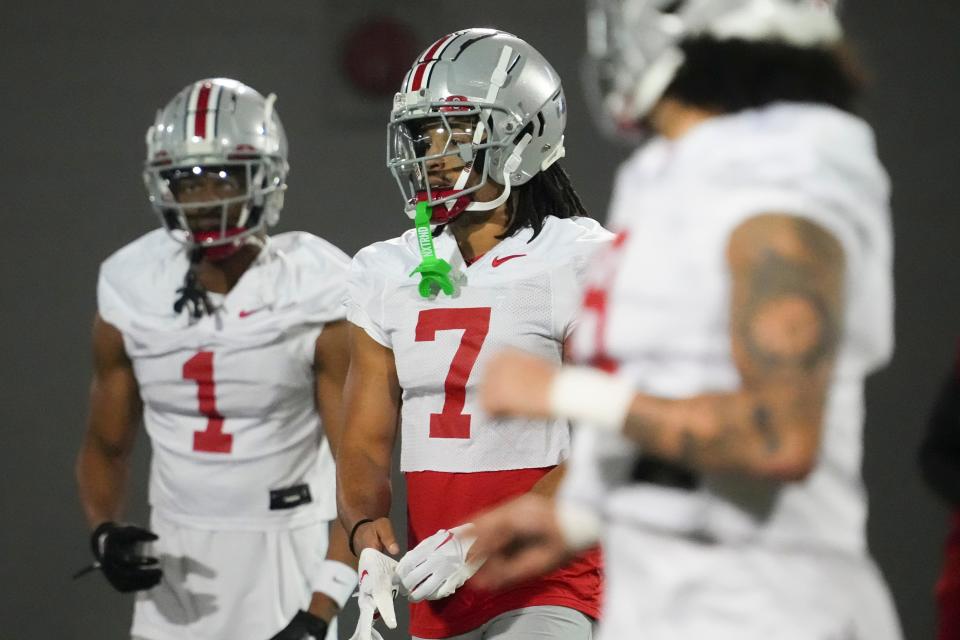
point(200, 119)
point(418, 76)
point(432, 51)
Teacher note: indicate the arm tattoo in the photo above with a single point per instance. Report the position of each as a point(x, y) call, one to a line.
point(789, 321)
point(698, 449)
point(785, 324)
point(763, 422)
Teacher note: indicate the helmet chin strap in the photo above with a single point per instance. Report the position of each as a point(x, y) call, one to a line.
point(192, 296)
point(512, 164)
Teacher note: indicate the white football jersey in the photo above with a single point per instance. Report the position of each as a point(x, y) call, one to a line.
point(522, 294)
point(657, 306)
point(229, 400)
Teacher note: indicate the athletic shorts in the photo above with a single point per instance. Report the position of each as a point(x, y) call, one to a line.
point(242, 585)
point(667, 587)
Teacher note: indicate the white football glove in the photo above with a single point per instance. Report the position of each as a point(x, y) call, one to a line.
point(438, 566)
point(376, 591)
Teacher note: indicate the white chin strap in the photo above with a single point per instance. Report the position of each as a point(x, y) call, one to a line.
point(655, 81)
point(511, 165)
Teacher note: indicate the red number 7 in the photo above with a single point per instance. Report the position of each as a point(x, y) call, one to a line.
point(451, 422)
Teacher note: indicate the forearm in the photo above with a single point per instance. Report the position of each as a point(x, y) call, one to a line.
point(102, 480)
point(322, 604)
point(548, 485)
point(742, 432)
point(363, 487)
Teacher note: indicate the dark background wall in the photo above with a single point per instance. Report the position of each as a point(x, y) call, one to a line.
point(79, 84)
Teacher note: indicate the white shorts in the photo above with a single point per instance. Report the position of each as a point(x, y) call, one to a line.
point(661, 587)
point(242, 585)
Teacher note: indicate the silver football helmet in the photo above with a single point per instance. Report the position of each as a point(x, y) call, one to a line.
point(633, 44)
point(495, 99)
point(226, 130)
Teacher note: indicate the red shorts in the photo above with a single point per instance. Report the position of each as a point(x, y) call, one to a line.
point(438, 500)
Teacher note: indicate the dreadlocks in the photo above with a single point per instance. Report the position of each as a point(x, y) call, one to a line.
point(548, 193)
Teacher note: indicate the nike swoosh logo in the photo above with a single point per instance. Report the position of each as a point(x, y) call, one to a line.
point(363, 574)
point(445, 540)
point(499, 261)
point(245, 313)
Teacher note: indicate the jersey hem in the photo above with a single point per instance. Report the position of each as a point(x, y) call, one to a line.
point(204, 523)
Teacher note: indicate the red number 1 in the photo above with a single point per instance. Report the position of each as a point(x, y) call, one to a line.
point(451, 422)
point(212, 439)
point(595, 301)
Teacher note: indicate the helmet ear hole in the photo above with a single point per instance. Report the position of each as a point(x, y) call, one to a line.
point(527, 129)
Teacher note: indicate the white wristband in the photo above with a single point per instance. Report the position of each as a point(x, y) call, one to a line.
point(580, 526)
point(336, 580)
point(590, 396)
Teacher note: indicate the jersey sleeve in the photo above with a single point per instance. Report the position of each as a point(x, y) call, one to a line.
point(321, 278)
point(124, 283)
point(364, 296)
point(109, 301)
point(569, 282)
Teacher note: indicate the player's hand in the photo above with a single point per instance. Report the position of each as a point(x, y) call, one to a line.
point(520, 539)
point(376, 535)
point(118, 550)
point(377, 589)
point(517, 384)
point(438, 566)
point(303, 626)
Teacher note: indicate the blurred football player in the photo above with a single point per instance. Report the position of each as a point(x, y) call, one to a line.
point(226, 343)
point(724, 339)
point(496, 259)
point(940, 465)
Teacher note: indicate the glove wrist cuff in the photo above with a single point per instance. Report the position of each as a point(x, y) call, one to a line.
point(98, 536)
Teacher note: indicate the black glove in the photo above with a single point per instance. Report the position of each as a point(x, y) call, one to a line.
point(117, 550)
point(304, 626)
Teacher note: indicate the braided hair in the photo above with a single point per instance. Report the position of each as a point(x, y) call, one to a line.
point(548, 193)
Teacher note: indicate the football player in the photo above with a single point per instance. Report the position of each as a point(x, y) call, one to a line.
point(725, 337)
point(940, 465)
point(496, 259)
point(230, 346)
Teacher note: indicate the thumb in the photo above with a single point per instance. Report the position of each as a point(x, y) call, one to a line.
point(387, 537)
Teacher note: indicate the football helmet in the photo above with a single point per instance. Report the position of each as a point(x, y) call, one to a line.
point(633, 45)
point(494, 102)
point(225, 132)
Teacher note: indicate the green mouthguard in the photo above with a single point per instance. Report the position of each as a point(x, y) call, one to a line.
point(434, 272)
